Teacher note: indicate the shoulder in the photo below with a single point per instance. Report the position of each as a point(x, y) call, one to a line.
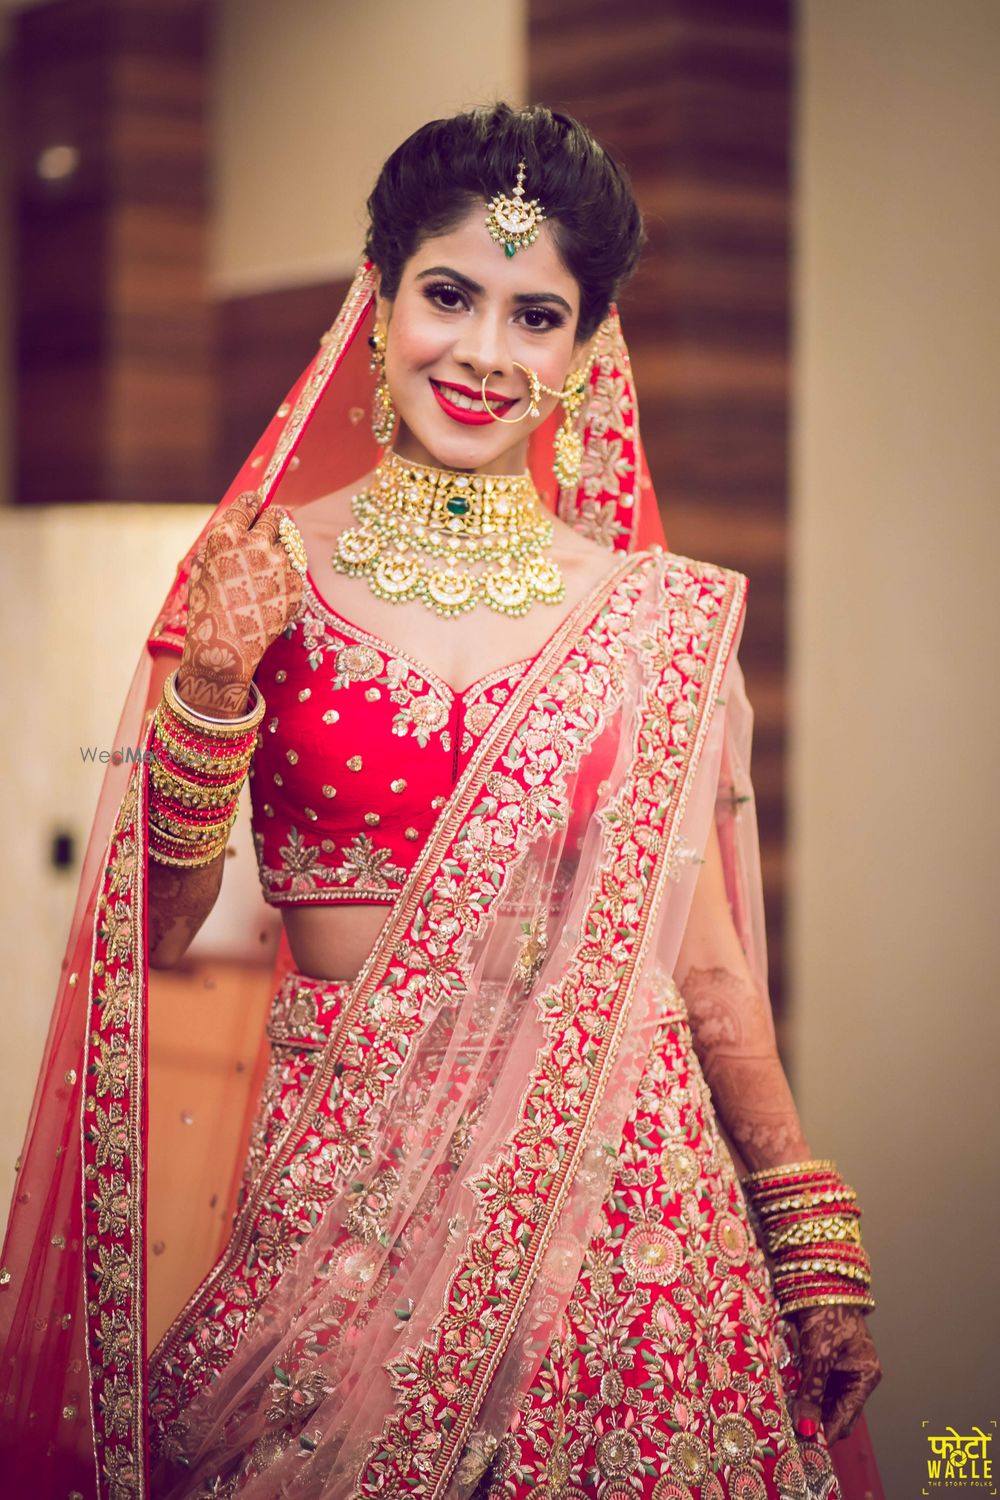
point(693, 581)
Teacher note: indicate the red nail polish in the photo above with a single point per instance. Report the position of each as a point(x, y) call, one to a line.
point(807, 1427)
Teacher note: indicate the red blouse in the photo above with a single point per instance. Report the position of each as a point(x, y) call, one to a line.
point(360, 748)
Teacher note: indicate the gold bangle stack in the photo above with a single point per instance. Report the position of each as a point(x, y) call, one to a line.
point(808, 1219)
point(198, 767)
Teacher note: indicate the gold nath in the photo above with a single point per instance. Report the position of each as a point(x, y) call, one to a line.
point(422, 531)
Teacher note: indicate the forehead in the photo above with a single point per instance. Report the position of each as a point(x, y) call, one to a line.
point(469, 249)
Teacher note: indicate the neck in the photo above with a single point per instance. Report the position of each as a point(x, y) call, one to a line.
point(513, 460)
point(394, 467)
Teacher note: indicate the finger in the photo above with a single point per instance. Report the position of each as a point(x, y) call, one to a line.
point(849, 1390)
point(808, 1406)
point(244, 510)
point(267, 528)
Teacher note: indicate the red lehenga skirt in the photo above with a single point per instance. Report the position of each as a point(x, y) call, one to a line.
point(670, 1373)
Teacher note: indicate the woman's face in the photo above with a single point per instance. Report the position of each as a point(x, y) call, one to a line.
point(465, 310)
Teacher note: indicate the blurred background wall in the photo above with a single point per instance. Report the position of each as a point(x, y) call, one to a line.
point(895, 628)
point(815, 336)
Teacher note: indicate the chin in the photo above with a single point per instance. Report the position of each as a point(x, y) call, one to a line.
point(472, 449)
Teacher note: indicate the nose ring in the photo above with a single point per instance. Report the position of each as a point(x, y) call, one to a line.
point(532, 408)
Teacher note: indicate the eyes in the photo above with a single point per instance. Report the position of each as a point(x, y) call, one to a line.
point(451, 298)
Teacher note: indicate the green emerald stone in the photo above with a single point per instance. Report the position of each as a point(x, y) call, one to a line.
point(456, 506)
point(509, 249)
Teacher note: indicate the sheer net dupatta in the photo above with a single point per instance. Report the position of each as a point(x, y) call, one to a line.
point(484, 1068)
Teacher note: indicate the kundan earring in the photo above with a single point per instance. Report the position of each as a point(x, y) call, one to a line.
point(383, 411)
point(568, 444)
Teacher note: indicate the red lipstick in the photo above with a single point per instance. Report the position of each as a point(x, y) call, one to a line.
point(502, 404)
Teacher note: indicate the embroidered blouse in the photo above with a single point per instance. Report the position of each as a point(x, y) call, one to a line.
point(360, 749)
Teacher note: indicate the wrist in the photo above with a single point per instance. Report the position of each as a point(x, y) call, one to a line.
point(199, 764)
point(224, 697)
point(808, 1219)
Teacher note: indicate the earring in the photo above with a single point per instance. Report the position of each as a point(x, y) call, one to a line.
point(383, 411)
point(568, 443)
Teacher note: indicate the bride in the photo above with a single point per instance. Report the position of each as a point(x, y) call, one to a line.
point(522, 1199)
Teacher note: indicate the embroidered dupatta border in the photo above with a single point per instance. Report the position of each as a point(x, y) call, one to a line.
point(480, 1295)
point(606, 503)
point(113, 1128)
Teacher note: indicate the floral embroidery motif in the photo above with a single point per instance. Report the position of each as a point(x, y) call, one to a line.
point(365, 864)
point(355, 664)
point(112, 1111)
point(532, 948)
point(303, 870)
point(675, 1382)
point(604, 506)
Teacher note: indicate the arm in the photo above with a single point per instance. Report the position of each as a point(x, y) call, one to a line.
point(733, 1035)
point(179, 902)
point(733, 1030)
point(244, 591)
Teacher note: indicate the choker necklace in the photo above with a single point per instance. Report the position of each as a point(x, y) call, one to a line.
point(422, 532)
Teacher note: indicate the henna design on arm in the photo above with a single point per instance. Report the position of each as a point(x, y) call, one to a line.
point(242, 594)
point(734, 1041)
point(179, 901)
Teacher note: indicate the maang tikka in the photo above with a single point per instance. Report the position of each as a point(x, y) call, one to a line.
point(514, 222)
point(383, 411)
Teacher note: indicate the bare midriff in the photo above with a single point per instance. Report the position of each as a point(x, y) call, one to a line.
point(333, 942)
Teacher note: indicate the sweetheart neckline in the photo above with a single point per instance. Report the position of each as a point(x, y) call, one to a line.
point(369, 637)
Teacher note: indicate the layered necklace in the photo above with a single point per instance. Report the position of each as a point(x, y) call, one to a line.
point(451, 540)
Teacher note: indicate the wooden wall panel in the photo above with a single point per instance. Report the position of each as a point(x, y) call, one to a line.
point(114, 353)
point(695, 97)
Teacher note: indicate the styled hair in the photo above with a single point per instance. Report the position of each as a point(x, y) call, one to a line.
point(429, 184)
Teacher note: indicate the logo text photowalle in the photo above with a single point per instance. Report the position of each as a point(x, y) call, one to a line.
point(959, 1461)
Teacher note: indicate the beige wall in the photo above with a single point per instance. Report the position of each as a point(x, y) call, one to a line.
point(895, 630)
point(307, 113)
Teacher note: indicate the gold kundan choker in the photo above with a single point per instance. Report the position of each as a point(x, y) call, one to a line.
point(451, 540)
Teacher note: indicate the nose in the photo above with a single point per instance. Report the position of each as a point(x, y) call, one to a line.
point(481, 347)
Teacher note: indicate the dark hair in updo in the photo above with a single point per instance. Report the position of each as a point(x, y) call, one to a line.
point(430, 183)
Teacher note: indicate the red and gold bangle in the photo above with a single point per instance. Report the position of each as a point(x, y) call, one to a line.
point(198, 767)
point(808, 1217)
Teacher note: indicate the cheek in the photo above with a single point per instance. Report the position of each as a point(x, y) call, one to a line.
point(553, 355)
point(414, 344)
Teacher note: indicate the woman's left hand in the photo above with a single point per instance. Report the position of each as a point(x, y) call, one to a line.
point(839, 1368)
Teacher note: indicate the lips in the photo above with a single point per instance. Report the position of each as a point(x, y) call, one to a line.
point(474, 416)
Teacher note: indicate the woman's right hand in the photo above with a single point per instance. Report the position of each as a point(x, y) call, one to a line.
point(242, 594)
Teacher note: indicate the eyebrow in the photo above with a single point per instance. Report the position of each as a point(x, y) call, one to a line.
point(475, 290)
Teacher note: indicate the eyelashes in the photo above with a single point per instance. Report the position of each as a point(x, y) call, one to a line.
point(449, 297)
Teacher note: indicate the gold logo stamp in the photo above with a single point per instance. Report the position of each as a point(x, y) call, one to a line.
point(959, 1461)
